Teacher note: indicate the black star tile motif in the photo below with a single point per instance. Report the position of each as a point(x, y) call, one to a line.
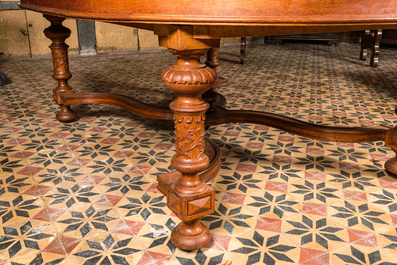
point(387, 199)
point(21, 206)
point(83, 139)
point(151, 157)
point(143, 207)
point(71, 128)
point(257, 136)
point(274, 203)
point(23, 236)
point(313, 230)
point(280, 172)
point(12, 184)
point(108, 251)
point(350, 154)
point(95, 151)
point(321, 163)
point(135, 144)
point(47, 159)
point(261, 248)
point(64, 174)
point(362, 256)
point(121, 132)
point(9, 165)
point(109, 166)
point(228, 218)
point(78, 193)
point(88, 187)
point(86, 221)
point(359, 214)
point(376, 169)
point(241, 182)
point(39, 145)
point(201, 258)
point(159, 236)
point(6, 150)
point(353, 180)
point(286, 148)
point(125, 184)
point(35, 133)
point(250, 156)
point(41, 259)
point(313, 190)
point(26, 122)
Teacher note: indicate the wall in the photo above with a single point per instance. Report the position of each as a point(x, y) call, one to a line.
point(21, 35)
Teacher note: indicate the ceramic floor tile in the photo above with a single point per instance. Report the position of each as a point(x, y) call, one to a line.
point(357, 254)
point(85, 192)
point(315, 191)
point(315, 232)
point(24, 237)
point(68, 194)
point(15, 183)
point(87, 221)
point(263, 247)
point(19, 207)
point(387, 240)
point(229, 219)
point(273, 204)
point(143, 206)
point(359, 215)
point(385, 199)
point(108, 248)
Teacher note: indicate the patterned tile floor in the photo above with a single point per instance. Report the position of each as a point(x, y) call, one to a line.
point(85, 192)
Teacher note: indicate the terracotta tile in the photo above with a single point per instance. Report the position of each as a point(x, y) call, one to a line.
point(257, 161)
point(314, 257)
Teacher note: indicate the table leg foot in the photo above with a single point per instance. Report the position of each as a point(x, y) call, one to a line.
point(66, 114)
point(190, 235)
point(391, 166)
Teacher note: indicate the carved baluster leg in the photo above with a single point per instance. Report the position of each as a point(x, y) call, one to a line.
point(58, 34)
point(189, 198)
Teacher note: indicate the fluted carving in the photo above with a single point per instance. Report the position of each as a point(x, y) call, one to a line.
point(192, 77)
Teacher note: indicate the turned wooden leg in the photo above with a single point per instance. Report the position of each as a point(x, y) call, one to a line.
point(210, 96)
point(213, 62)
point(189, 197)
point(58, 34)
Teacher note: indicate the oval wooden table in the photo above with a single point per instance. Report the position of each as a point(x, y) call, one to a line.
point(190, 29)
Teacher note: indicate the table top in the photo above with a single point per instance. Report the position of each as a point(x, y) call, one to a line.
point(224, 12)
point(214, 19)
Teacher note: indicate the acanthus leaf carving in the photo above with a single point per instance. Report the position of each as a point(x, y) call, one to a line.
point(190, 137)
